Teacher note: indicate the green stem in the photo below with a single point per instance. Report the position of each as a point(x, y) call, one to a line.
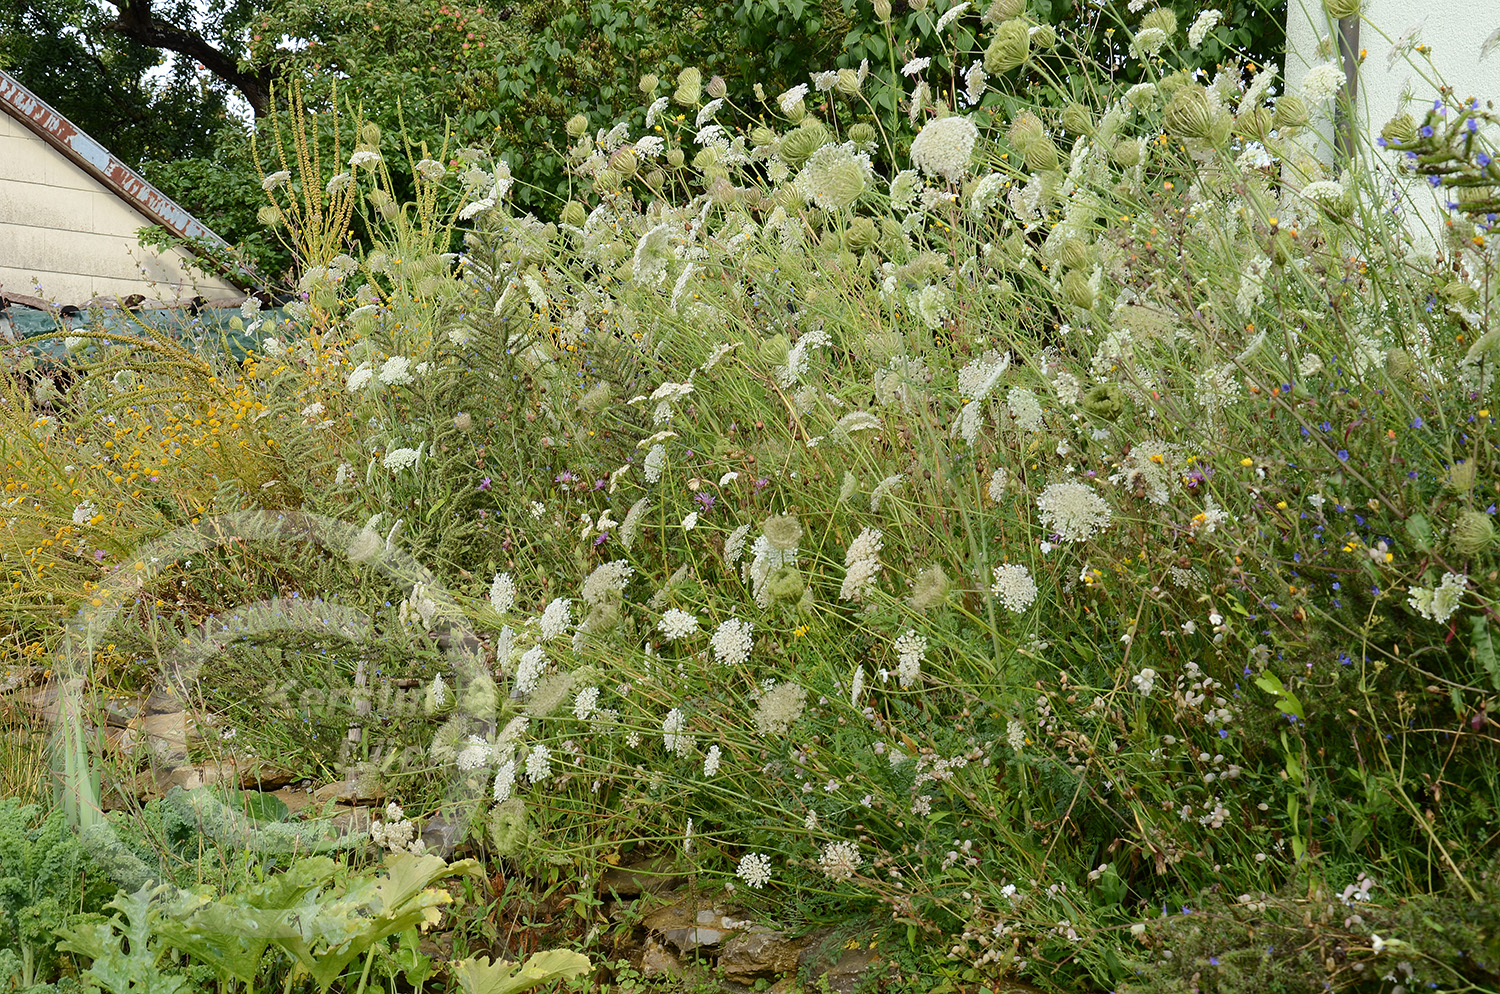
point(364, 975)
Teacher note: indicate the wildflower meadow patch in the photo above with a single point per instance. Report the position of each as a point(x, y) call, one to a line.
point(1038, 518)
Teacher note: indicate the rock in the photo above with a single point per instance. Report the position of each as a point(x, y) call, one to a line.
point(350, 792)
point(690, 924)
point(650, 877)
point(192, 777)
point(165, 735)
point(16, 677)
point(657, 961)
point(850, 971)
point(349, 820)
point(41, 700)
point(295, 798)
point(760, 952)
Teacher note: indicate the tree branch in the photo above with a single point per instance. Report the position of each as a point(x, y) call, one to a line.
point(137, 21)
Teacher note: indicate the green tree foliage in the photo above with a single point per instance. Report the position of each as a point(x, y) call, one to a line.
point(74, 55)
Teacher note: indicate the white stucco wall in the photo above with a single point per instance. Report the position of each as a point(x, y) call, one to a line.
point(66, 232)
point(1453, 31)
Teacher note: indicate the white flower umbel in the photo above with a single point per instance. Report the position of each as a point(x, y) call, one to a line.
point(944, 147)
point(996, 487)
point(586, 703)
point(556, 619)
point(505, 781)
point(883, 488)
point(475, 754)
point(711, 761)
point(1014, 586)
point(862, 563)
point(674, 734)
point(399, 459)
point(396, 371)
point(1440, 604)
point(911, 650)
point(1144, 681)
point(529, 670)
point(1204, 23)
point(360, 378)
point(676, 624)
point(502, 593)
point(539, 764)
point(605, 580)
point(732, 642)
point(1322, 83)
point(754, 869)
point(840, 860)
point(1073, 511)
point(779, 708)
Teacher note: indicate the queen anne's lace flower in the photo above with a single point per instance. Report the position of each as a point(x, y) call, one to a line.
point(979, 376)
point(505, 781)
point(779, 708)
point(503, 592)
point(556, 618)
point(944, 147)
point(1014, 586)
point(586, 703)
point(996, 487)
point(651, 466)
point(475, 754)
point(1440, 604)
point(1204, 23)
point(732, 642)
point(1322, 82)
point(911, 649)
point(605, 580)
point(399, 459)
point(931, 305)
point(676, 624)
point(754, 869)
point(840, 860)
point(1073, 511)
point(361, 377)
point(882, 488)
point(789, 100)
point(1024, 409)
point(1147, 43)
point(834, 176)
point(539, 764)
point(529, 669)
point(396, 371)
point(674, 734)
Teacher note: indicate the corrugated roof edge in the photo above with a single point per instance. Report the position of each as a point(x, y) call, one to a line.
point(37, 303)
point(130, 186)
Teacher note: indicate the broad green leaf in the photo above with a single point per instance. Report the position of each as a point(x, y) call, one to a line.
point(1484, 649)
point(480, 976)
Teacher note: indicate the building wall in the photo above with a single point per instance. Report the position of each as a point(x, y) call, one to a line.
point(66, 233)
point(1453, 29)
